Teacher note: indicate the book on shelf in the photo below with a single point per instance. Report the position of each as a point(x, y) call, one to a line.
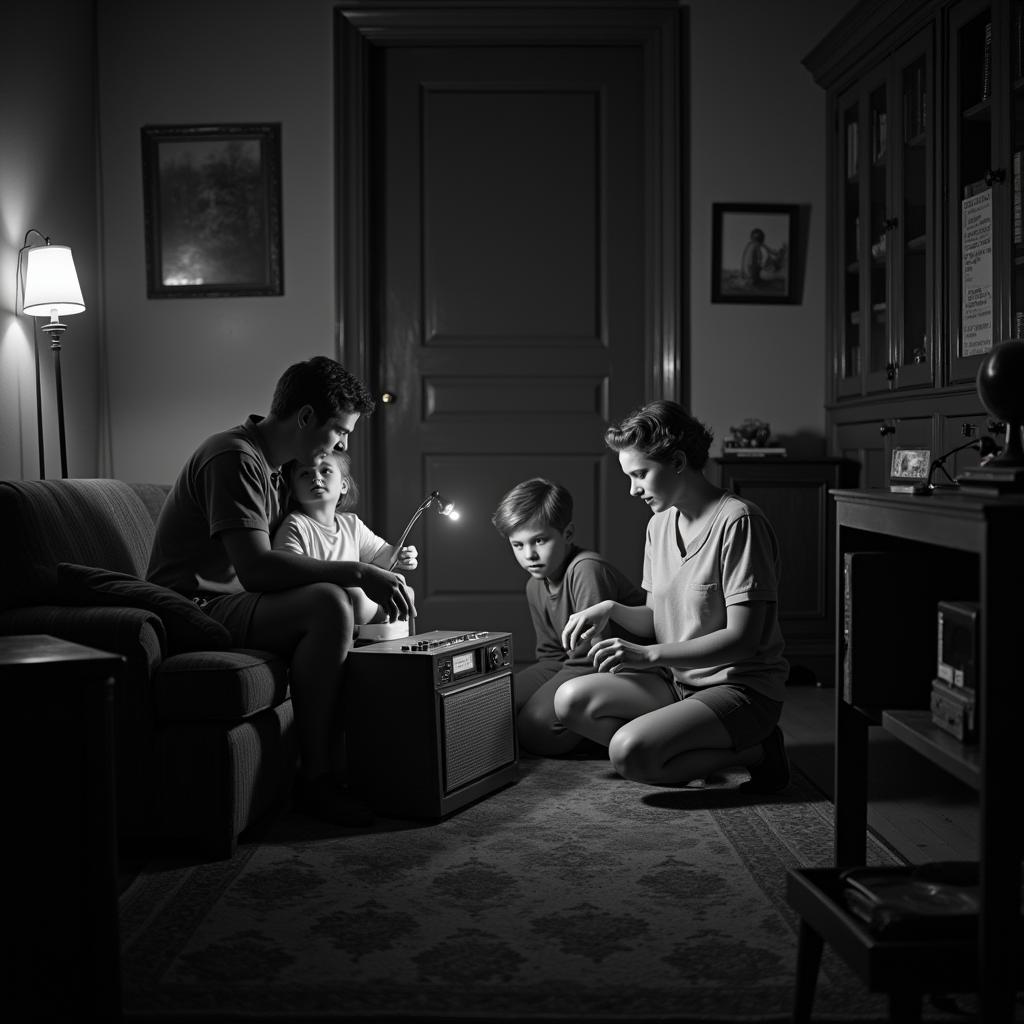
point(767, 451)
point(879, 131)
point(986, 64)
point(1018, 211)
point(915, 107)
point(1018, 42)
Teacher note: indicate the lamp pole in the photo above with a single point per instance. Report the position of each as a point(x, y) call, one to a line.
point(55, 348)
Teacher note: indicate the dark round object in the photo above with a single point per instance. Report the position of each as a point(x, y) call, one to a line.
point(1001, 382)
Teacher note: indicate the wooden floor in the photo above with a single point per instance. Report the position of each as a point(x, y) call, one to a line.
point(919, 810)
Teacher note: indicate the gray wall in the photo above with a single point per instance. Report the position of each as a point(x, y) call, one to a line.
point(48, 181)
point(171, 371)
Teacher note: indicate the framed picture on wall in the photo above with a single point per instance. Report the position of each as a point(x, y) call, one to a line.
point(212, 210)
point(752, 253)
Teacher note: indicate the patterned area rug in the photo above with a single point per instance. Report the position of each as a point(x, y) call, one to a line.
point(570, 895)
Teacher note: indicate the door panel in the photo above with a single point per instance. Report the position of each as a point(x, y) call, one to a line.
point(510, 295)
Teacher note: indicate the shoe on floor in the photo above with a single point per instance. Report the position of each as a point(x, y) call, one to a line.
point(771, 773)
point(322, 798)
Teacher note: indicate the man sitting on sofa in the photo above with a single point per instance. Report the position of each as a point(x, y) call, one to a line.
point(213, 544)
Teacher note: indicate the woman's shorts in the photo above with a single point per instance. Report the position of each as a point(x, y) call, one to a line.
point(747, 715)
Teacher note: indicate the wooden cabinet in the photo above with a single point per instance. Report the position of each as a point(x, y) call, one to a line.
point(794, 495)
point(979, 544)
point(885, 224)
point(925, 129)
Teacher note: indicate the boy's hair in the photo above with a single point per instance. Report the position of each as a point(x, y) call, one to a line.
point(323, 384)
point(535, 500)
point(348, 500)
point(660, 429)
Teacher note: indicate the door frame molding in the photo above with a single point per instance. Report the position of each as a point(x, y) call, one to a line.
point(656, 28)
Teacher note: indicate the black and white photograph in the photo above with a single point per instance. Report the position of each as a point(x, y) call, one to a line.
point(752, 253)
point(482, 481)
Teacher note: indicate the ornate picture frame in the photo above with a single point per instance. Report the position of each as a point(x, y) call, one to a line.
point(753, 253)
point(212, 210)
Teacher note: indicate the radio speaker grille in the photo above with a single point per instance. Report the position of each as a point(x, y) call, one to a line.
point(478, 729)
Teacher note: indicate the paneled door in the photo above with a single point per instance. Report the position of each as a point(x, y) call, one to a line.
point(509, 310)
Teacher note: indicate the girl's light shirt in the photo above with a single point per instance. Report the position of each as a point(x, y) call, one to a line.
point(733, 561)
point(350, 539)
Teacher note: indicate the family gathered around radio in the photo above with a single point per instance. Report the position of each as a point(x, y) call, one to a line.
point(678, 678)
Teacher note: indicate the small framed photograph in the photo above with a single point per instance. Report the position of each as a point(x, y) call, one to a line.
point(752, 253)
point(213, 210)
point(910, 469)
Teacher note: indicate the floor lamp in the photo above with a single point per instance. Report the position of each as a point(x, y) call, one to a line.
point(50, 288)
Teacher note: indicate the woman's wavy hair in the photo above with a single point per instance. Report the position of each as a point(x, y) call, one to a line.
point(659, 430)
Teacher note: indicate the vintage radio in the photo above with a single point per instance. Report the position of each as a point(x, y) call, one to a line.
point(954, 710)
point(957, 662)
point(431, 721)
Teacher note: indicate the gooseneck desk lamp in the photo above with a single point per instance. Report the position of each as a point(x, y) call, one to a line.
point(444, 508)
point(49, 288)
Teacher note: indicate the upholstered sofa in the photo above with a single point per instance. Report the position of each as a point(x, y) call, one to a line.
point(204, 738)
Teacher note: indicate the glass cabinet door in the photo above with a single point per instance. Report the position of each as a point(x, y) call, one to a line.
point(974, 180)
point(1016, 66)
point(848, 370)
point(888, 226)
point(879, 373)
point(912, 236)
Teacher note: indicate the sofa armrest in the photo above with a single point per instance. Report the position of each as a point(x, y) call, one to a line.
point(135, 634)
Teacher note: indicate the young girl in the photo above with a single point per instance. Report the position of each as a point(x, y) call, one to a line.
point(322, 527)
point(707, 692)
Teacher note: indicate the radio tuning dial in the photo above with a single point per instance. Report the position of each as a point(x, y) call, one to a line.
point(493, 657)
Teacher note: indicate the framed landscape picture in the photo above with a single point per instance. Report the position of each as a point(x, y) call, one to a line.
point(752, 252)
point(213, 210)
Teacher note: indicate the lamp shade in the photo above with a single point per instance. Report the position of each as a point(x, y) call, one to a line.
point(51, 284)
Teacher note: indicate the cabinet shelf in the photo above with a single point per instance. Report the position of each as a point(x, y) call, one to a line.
point(915, 728)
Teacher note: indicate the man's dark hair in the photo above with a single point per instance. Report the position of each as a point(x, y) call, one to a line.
point(659, 430)
point(325, 385)
point(533, 501)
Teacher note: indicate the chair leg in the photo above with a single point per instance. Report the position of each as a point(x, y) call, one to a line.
point(808, 961)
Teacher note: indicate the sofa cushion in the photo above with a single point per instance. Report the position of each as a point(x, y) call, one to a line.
point(219, 685)
point(89, 522)
point(188, 628)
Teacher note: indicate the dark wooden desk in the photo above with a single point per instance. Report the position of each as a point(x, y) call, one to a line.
point(59, 770)
point(977, 543)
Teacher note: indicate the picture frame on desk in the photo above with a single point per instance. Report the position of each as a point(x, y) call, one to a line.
point(909, 469)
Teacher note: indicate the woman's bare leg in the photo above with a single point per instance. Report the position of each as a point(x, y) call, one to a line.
point(651, 737)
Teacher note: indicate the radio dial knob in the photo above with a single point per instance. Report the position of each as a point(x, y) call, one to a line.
point(493, 657)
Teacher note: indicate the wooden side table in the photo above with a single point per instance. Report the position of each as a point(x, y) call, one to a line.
point(59, 768)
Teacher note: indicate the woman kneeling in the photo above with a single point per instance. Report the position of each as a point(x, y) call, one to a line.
point(707, 693)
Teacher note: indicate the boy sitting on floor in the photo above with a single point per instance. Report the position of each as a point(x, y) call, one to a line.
point(536, 519)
